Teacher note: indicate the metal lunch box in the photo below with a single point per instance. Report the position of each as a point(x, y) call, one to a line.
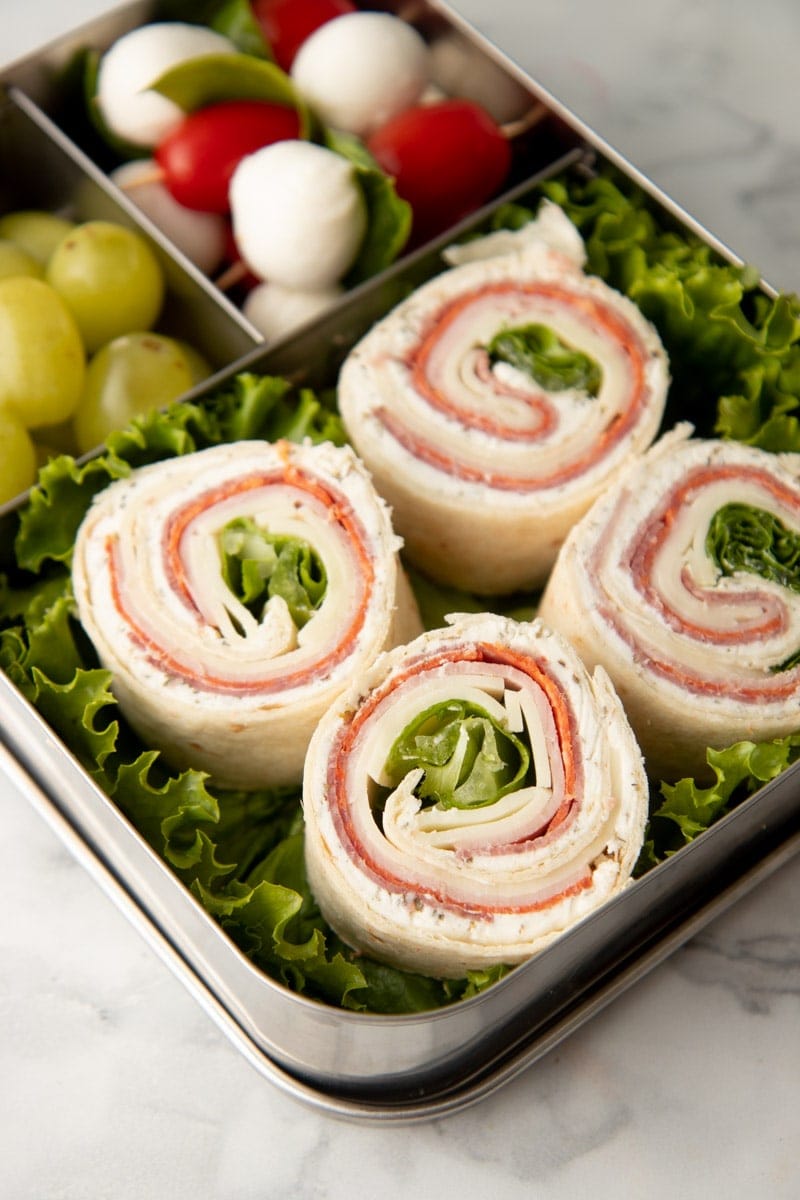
point(355, 1065)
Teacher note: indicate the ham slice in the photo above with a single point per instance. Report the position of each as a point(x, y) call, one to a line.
point(439, 888)
point(197, 673)
point(485, 469)
point(696, 654)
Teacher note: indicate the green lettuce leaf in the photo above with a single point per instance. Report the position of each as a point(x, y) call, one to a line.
point(50, 520)
point(176, 814)
point(239, 852)
point(736, 363)
point(257, 565)
point(46, 608)
point(743, 538)
point(687, 809)
point(467, 759)
point(734, 351)
point(79, 713)
point(540, 353)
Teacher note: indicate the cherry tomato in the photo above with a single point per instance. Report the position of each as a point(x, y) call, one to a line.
point(285, 24)
point(200, 156)
point(446, 160)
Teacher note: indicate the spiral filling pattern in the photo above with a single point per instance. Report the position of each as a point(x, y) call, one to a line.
point(415, 851)
point(200, 666)
point(472, 407)
point(684, 585)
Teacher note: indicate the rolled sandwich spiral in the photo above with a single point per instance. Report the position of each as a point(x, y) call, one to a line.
point(684, 584)
point(496, 403)
point(470, 797)
point(233, 593)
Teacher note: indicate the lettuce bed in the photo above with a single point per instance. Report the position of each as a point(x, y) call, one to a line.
point(735, 357)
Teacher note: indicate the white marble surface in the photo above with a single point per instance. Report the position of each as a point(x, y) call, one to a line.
point(116, 1085)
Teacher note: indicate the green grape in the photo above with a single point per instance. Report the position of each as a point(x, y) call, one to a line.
point(198, 365)
point(16, 261)
point(17, 456)
point(127, 377)
point(42, 360)
point(37, 233)
point(109, 278)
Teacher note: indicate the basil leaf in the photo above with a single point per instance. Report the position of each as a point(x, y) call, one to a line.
point(388, 217)
point(257, 565)
point(214, 78)
point(468, 760)
point(553, 364)
point(236, 21)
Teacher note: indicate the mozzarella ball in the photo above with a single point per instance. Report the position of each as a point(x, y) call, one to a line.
point(298, 214)
point(200, 236)
point(360, 69)
point(138, 59)
point(276, 310)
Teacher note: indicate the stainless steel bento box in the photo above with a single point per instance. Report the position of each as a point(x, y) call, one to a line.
point(391, 1068)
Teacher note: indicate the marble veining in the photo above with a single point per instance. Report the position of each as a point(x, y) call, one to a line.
point(756, 970)
point(117, 1086)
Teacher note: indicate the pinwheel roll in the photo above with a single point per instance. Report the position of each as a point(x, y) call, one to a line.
point(684, 583)
point(495, 404)
point(233, 593)
point(471, 797)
